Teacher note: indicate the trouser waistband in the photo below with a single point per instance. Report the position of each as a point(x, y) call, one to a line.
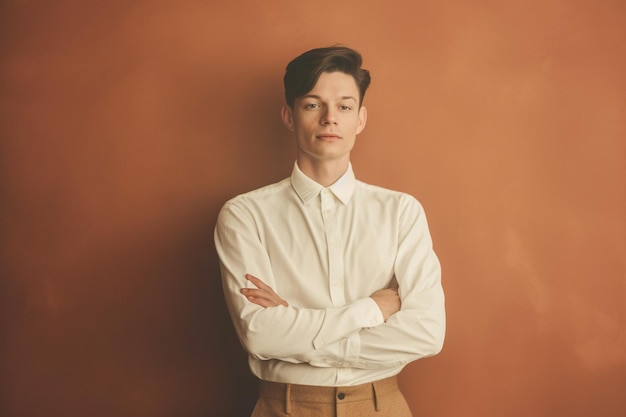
point(321, 394)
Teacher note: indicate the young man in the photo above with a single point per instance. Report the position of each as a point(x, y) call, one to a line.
point(332, 284)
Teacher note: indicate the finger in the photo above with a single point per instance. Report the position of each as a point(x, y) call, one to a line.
point(263, 302)
point(257, 293)
point(260, 301)
point(263, 286)
point(256, 281)
point(262, 294)
point(271, 298)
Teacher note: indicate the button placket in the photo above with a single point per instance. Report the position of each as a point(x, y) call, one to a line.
point(334, 249)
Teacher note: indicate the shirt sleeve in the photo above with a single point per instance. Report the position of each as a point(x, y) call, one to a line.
point(418, 329)
point(285, 333)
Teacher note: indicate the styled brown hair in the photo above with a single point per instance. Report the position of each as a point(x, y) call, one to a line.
point(302, 72)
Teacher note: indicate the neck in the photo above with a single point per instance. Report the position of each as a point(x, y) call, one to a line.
point(326, 173)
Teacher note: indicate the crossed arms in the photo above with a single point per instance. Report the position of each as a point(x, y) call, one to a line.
point(388, 328)
point(387, 299)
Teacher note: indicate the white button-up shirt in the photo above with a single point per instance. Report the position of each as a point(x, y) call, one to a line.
point(325, 251)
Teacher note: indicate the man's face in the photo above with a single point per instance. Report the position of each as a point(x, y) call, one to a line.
point(327, 119)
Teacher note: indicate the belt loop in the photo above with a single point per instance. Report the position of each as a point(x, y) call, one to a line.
point(287, 398)
point(376, 402)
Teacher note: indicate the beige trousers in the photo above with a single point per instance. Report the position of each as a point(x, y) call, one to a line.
point(376, 399)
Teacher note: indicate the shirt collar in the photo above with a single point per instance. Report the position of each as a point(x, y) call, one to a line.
point(307, 189)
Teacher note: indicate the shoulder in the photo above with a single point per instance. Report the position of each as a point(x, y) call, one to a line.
point(399, 205)
point(378, 193)
point(257, 198)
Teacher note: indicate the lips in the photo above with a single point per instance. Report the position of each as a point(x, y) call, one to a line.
point(328, 136)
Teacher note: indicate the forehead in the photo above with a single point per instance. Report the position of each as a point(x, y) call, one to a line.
point(331, 84)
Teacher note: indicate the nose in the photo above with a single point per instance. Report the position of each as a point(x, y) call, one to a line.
point(329, 117)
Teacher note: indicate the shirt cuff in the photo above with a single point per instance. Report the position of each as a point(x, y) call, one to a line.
point(372, 315)
point(363, 313)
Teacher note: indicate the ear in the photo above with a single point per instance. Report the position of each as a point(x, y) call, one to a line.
point(287, 116)
point(362, 119)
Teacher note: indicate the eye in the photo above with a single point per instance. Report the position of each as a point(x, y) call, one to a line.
point(311, 106)
point(345, 107)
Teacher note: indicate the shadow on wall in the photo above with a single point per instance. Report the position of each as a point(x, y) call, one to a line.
point(111, 298)
point(247, 162)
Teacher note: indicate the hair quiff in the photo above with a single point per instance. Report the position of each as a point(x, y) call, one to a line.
point(303, 72)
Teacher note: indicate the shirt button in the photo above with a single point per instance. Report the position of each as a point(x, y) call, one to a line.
point(341, 395)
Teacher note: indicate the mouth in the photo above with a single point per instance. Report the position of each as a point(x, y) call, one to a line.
point(329, 137)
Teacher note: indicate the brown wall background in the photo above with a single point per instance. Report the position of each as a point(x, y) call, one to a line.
point(125, 125)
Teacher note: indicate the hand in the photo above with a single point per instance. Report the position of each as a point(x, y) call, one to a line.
point(388, 301)
point(263, 295)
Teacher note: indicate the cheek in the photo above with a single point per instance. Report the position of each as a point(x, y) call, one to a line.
point(302, 134)
point(301, 121)
point(305, 126)
point(355, 127)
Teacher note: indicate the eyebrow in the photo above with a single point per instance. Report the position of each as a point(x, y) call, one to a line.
point(319, 98)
